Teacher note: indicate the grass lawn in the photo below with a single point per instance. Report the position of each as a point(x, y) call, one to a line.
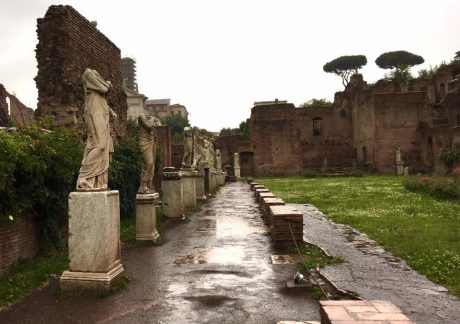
point(423, 231)
point(28, 275)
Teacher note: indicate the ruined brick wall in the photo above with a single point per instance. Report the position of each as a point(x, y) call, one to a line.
point(164, 143)
point(177, 153)
point(227, 145)
point(18, 239)
point(20, 113)
point(276, 140)
point(284, 141)
point(396, 119)
point(67, 44)
point(3, 107)
point(331, 148)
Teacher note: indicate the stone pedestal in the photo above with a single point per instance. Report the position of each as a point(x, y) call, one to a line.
point(399, 168)
point(206, 181)
point(94, 241)
point(237, 172)
point(199, 186)
point(189, 188)
point(173, 196)
point(146, 217)
point(213, 181)
point(221, 178)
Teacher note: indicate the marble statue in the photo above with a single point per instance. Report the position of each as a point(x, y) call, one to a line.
point(188, 148)
point(398, 155)
point(198, 148)
point(205, 151)
point(218, 160)
point(93, 173)
point(148, 147)
point(211, 155)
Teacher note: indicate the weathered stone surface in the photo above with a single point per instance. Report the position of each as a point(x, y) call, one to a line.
point(361, 311)
point(146, 217)
point(199, 187)
point(20, 114)
point(173, 194)
point(189, 189)
point(68, 44)
point(94, 240)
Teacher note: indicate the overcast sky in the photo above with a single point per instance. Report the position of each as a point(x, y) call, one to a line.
point(218, 57)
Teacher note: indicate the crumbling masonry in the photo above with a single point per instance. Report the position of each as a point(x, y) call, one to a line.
point(68, 44)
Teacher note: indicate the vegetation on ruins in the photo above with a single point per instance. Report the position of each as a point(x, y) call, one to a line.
point(457, 55)
point(439, 187)
point(177, 123)
point(27, 276)
point(242, 130)
point(401, 62)
point(345, 66)
point(428, 73)
point(323, 102)
point(38, 169)
point(450, 155)
point(414, 226)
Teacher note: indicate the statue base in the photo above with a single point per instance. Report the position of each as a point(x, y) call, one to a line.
point(173, 194)
point(399, 168)
point(146, 217)
point(189, 188)
point(237, 172)
point(94, 241)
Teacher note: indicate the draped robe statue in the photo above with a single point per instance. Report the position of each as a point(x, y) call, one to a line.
point(148, 147)
point(188, 148)
point(218, 160)
point(93, 173)
point(198, 149)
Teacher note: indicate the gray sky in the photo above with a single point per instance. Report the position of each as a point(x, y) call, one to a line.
point(218, 57)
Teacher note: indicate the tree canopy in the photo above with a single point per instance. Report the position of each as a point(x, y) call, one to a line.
point(176, 123)
point(242, 130)
point(457, 55)
point(399, 60)
point(345, 66)
point(323, 102)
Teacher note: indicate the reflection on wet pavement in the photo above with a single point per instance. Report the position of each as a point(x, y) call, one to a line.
point(214, 268)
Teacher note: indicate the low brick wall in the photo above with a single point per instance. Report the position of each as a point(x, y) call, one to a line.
point(286, 222)
point(18, 239)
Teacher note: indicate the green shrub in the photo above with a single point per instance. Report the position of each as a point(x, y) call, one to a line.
point(38, 169)
point(436, 186)
point(450, 156)
point(310, 175)
point(124, 174)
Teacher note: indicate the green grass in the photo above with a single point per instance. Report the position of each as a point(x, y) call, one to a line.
point(128, 227)
point(27, 276)
point(423, 231)
point(315, 258)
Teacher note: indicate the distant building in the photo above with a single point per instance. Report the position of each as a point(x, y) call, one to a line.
point(136, 103)
point(128, 67)
point(162, 108)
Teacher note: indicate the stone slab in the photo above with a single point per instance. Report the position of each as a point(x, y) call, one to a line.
point(94, 231)
point(146, 217)
point(361, 311)
point(75, 280)
point(189, 189)
point(199, 187)
point(172, 198)
point(94, 241)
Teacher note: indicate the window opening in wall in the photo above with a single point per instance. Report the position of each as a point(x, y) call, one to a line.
point(317, 127)
point(364, 154)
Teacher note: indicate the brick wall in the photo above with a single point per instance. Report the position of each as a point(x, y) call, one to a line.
point(227, 145)
point(68, 44)
point(19, 112)
point(18, 239)
point(3, 107)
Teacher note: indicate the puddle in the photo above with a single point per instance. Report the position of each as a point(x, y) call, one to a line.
point(219, 255)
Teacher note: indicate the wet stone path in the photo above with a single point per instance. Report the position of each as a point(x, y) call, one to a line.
point(214, 268)
point(375, 274)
